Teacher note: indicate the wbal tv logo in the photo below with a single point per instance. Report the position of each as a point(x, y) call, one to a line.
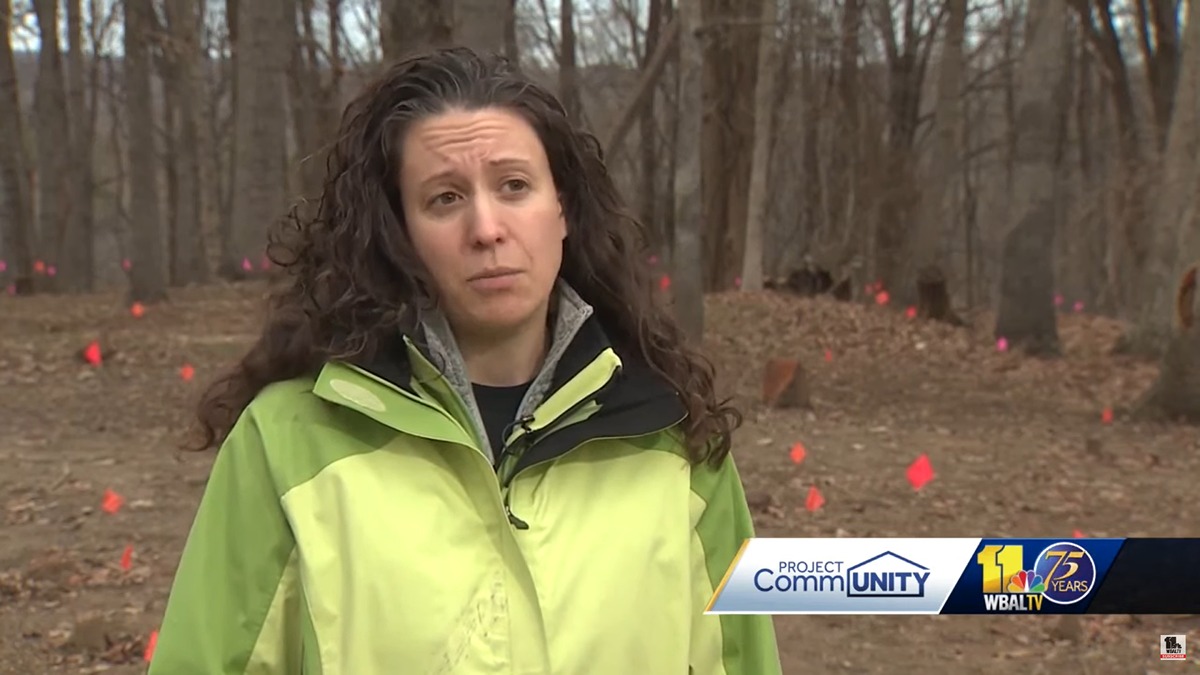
point(1063, 573)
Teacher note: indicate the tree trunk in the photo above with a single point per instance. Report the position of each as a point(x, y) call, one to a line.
point(568, 78)
point(1176, 392)
point(305, 97)
point(184, 25)
point(833, 188)
point(907, 59)
point(927, 242)
point(78, 262)
point(259, 178)
point(1128, 232)
point(16, 223)
point(1172, 248)
point(147, 276)
point(170, 169)
point(408, 26)
point(1158, 28)
point(511, 49)
point(730, 50)
point(1026, 316)
point(478, 24)
point(55, 205)
point(688, 286)
point(650, 150)
point(764, 99)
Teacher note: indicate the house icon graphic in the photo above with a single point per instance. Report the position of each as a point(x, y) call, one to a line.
point(887, 575)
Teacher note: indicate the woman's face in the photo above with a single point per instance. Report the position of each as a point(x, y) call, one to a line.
point(484, 215)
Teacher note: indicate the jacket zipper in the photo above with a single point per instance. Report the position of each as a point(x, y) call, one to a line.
point(532, 436)
point(527, 440)
point(599, 438)
point(520, 524)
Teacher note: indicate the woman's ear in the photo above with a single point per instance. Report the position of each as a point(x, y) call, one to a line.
point(562, 217)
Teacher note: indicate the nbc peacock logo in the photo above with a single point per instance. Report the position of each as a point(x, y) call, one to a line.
point(1026, 581)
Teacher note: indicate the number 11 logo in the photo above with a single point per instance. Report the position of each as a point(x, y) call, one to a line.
point(1001, 563)
point(1004, 571)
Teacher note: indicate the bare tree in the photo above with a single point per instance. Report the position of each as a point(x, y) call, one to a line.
point(260, 149)
point(1026, 316)
point(730, 60)
point(54, 202)
point(479, 24)
point(184, 24)
point(409, 25)
point(17, 218)
point(1176, 249)
point(764, 100)
point(78, 256)
point(688, 287)
point(907, 44)
point(1157, 34)
point(148, 276)
point(568, 80)
point(927, 243)
point(648, 129)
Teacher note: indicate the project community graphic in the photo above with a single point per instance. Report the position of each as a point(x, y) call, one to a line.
point(962, 576)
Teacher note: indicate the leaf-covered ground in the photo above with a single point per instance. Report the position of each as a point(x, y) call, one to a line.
point(1018, 447)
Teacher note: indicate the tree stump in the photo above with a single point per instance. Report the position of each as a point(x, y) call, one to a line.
point(933, 299)
point(811, 280)
point(1176, 392)
point(806, 281)
point(786, 384)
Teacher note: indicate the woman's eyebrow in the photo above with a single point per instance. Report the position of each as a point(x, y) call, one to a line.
point(512, 162)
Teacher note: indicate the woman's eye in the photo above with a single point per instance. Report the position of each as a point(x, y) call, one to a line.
point(444, 199)
point(515, 185)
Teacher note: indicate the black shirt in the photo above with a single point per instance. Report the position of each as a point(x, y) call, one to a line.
point(498, 406)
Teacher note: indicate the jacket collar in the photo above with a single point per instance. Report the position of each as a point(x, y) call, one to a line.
point(418, 385)
point(569, 313)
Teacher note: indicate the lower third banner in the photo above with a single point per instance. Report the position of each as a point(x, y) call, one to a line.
point(962, 576)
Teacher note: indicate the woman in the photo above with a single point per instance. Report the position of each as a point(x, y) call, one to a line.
point(469, 440)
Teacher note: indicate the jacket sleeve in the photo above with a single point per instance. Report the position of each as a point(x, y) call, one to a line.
point(235, 601)
point(724, 644)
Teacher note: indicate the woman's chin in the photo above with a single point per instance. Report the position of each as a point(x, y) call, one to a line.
point(502, 316)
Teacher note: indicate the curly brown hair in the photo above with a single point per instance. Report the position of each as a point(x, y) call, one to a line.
point(350, 270)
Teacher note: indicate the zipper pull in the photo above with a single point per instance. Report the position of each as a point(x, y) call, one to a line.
point(524, 423)
point(513, 520)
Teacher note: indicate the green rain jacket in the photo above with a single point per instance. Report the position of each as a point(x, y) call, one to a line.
point(353, 524)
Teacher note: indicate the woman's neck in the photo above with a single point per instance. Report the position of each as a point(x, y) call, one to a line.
point(505, 360)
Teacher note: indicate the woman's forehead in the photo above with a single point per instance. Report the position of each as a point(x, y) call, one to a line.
point(495, 137)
